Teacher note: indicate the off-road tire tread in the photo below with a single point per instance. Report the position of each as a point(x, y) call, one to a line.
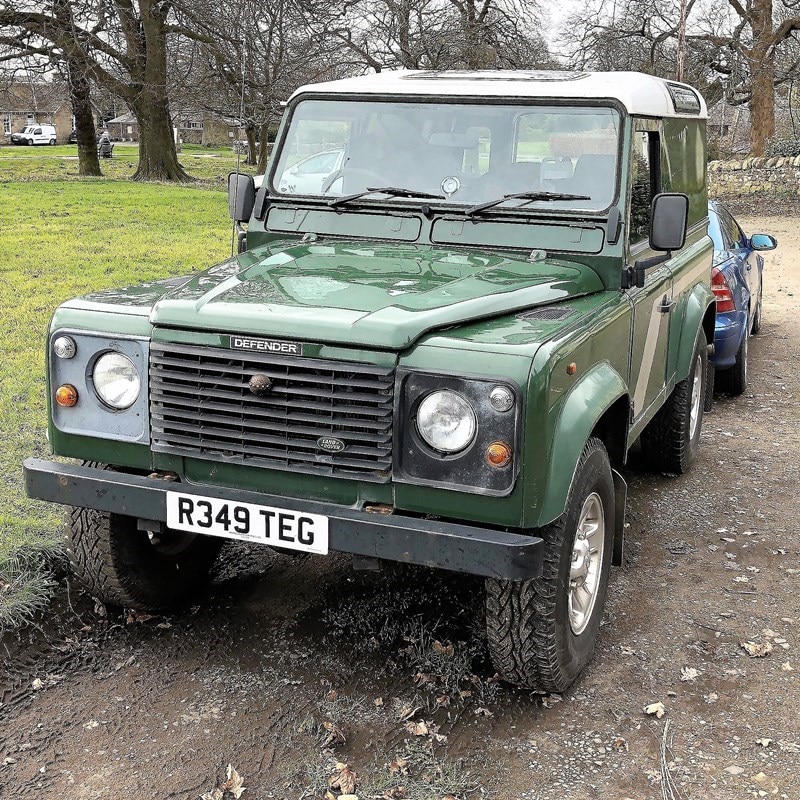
point(96, 555)
point(521, 615)
point(664, 445)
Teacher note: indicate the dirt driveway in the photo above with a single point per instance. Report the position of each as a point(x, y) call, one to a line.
point(291, 665)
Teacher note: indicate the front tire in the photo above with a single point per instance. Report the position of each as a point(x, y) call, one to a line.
point(123, 566)
point(542, 632)
point(671, 440)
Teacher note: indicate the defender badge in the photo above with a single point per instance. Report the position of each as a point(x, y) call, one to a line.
point(330, 444)
point(260, 385)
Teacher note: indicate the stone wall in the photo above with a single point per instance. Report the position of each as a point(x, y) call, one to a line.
point(776, 175)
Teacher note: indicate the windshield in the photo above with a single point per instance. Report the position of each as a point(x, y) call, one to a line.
point(468, 153)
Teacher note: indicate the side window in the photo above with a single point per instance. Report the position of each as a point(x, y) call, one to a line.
point(37, 132)
point(732, 231)
point(645, 183)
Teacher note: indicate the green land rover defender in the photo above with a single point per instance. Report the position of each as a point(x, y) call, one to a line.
point(459, 299)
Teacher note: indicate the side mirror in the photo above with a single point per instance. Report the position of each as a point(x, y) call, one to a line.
point(668, 219)
point(241, 196)
point(763, 241)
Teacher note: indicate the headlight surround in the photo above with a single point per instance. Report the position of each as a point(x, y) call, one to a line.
point(116, 381)
point(446, 421)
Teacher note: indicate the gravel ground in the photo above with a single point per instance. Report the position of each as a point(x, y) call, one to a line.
point(291, 668)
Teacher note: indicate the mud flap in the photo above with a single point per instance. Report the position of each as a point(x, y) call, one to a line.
point(708, 400)
point(620, 502)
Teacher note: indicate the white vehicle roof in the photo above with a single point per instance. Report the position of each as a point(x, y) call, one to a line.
point(639, 93)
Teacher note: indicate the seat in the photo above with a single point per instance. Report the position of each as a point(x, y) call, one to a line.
point(594, 176)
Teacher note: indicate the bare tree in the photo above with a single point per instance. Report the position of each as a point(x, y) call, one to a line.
point(121, 45)
point(432, 34)
point(744, 49)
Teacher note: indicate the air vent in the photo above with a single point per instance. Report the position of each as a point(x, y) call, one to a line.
point(551, 314)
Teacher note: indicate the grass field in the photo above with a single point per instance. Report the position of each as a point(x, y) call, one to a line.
point(62, 236)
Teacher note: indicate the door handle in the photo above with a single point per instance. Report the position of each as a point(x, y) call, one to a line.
point(667, 305)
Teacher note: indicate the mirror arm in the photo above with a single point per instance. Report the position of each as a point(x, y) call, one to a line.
point(634, 276)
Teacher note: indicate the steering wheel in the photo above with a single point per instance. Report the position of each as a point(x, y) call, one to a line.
point(370, 175)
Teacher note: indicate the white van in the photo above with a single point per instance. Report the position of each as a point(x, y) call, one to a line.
point(35, 134)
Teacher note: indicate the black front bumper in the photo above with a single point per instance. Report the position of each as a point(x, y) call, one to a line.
point(432, 543)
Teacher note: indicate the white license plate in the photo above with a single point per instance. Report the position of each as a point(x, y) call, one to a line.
point(292, 530)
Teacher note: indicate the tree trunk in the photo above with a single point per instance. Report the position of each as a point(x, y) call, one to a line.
point(761, 60)
point(80, 98)
point(250, 133)
point(158, 158)
point(263, 149)
point(79, 92)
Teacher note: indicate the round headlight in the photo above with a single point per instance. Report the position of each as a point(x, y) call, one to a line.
point(446, 421)
point(116, 380)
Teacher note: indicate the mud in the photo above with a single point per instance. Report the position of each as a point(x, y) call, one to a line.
point(289, 665)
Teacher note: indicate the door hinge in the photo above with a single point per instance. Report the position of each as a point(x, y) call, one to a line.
point(667, 304)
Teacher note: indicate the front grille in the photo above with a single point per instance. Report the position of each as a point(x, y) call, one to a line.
point(201, 406)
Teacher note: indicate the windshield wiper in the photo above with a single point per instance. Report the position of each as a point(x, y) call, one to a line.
point(392, 191)
point(529, 197)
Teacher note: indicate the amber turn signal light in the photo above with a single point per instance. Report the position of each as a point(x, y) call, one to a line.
point(498, 454)
point(66, 395)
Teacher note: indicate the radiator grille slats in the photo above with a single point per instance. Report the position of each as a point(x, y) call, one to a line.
point(201, 406)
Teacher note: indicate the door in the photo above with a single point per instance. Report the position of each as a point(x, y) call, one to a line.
point(738, 245)
point(653, 303)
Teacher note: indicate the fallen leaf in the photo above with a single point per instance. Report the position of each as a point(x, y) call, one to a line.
point(417, 728)
point(443, 700)
point(214, 794)
point(444, 649)
point(406, 712)
point(399, 766)
point(335, 735)
point(689, 674)
point(655, 708)
point(756, 650)
point(332, 695)
point(395, 793)
point(741, 579)
point(734, 770)
point(620, 744)
point(378, 702)
point(343, 779)
point(549, 700)
point(789, 747)
point(764, 742)
point(787, 667)
point(90, 725)
point(234, 783)
point(711, 697)
point(753, 569)
point(627, 651)
point(37, 684)
point(464, 694)
point(483, 712)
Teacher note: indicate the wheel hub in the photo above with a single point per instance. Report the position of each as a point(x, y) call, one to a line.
point(586, 563)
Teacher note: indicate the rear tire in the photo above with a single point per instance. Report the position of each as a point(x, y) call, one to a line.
point(671, 440)
point(123, 566)
point(733, 381)
point(542, 632)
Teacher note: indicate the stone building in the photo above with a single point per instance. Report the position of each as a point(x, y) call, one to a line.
point(26, 103)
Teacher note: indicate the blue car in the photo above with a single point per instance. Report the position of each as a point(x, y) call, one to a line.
point(736, 280)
